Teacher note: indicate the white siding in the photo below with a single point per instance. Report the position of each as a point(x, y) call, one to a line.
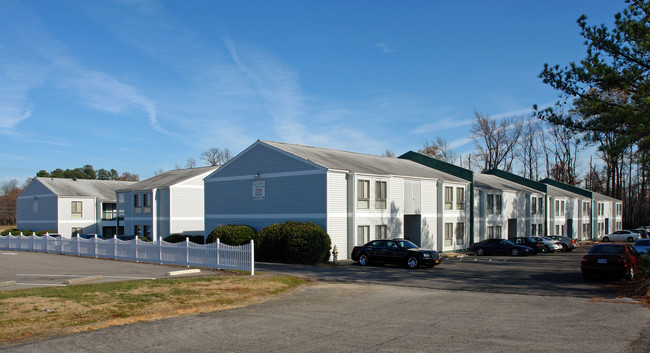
point(337, 212)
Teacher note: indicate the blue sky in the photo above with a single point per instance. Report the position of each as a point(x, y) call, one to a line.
point(140, 86)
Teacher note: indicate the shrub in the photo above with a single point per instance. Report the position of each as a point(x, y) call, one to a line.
point(233, 234)
point(15, 231)
point(7, 231)
point(180, 238)
point(293, 242)
point(43, 232)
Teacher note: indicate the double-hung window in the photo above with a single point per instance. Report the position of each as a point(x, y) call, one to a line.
point(449, 234)
point(76, 209)
point(363, 234)
point(497, 204)
point(490, 204)
point(460, 198)
point(137, 203)
point(146, 200)
point(449, 197)
point(380, 195)
point(363, 194)
point(533, 206)
point(460, 233)
point(381, 232)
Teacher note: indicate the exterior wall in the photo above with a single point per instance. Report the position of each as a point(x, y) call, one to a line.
point(337, 212)
point(132, 218)
point(37, 208)
point(429, 219)
point(187, 209)
point(88, 220)
point(536, 218)
point(456, 217)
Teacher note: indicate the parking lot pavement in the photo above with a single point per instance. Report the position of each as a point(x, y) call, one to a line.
point(553, 274)
point(33, 270)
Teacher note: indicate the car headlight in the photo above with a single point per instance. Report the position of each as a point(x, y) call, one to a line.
point(426, 255)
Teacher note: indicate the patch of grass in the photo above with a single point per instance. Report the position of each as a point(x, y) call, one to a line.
point(45, 312)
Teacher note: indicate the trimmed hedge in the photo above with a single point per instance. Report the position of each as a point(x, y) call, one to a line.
point(293, 242)
point(233, 234)
point(180, 238)
point(15, 231)
point(43, 232)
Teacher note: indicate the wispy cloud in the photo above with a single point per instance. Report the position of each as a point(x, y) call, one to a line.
point(385, 48)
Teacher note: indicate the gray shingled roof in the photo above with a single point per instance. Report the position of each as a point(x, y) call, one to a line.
point(102, 189)
point(172, 177)
point(555, 191)
point(493, 182)
point(362, 163)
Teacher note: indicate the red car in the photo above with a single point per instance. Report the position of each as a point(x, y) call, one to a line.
point(611, 259)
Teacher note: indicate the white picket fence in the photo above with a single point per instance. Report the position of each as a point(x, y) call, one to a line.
point(214, 255)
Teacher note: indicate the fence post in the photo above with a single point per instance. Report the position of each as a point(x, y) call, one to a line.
point(160, 251)
point(252, 257)
point(77, 240)
point(135, 238)
point(20, 241)
point(218, 253)
point(187, 251)
point(47, 241)
point(95, 248)
point(115, 246)
point(33, 241)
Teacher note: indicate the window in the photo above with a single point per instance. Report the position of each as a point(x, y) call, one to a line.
point(449, 197)
point(108, 211)
point(363, 234)
point(619, 209)
point(146, 200)
point(601, 209)
point(533, 206)
point(490, 204)
point(449, 233)
point(137, 230)
point(557, 229)
point(380, 194)
point(35, 205)
point(585, 230)
point(540, 205)
point(497, 203)
point(120, 202)
point(136, 203)
point(381, 232)
point(490, 232)
point(76, 209)
point(533, 230)
point(147, 231)
point(460, 198)
point(562, 208)
point(460, 233)
point(76, 231)
point(363, 194)
point(540, 229)
point(557, 207)
point(497, 231)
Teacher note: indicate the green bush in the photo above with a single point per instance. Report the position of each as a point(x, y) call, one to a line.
point(180, 238)
point(43, 232)
point(15, 231)
point(7, 231)
point(233, 234)
point(293, 242)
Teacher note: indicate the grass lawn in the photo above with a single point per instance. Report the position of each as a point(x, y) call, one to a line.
point(44, 312)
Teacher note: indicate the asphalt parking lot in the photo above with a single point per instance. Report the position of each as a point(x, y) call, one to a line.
point(22, 269)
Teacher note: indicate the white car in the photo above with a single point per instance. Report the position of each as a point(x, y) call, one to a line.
point(621, 235)
point(550, 245)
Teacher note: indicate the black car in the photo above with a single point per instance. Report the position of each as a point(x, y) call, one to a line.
point(397, 251)
point(529, 242)
point(500, 246)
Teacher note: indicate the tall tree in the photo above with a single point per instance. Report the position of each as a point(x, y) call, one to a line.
point(216, 156)
point(439, 149)
point(9, 192)
point(496, 142)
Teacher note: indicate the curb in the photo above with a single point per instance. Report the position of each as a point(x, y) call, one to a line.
point(84, 279)
point(7, 283)
point(182, 272)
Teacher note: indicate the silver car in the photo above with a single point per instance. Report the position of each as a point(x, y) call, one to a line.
point(567, 243)
point(550, 245)
point(621, 235)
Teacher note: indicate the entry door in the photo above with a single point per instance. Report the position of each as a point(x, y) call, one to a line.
point(512, 228)
point(569, 228)
point(413, 228)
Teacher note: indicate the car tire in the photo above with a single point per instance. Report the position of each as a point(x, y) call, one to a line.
point(630, 274)
point(412, 262)
point(364, 260)
point(546, 249)
point(514, 252)
point(565, 248)
point(480, 252)
point(586, 276)
point(630, 239)
point(605, 238)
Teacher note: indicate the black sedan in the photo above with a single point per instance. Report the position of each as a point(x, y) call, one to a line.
point(397, 251)
point(500, 246)
point(529, 242)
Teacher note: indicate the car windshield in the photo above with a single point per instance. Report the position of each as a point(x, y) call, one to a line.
point(508, 242)
point(407, 244)
point(607, 249)
point(645, 242)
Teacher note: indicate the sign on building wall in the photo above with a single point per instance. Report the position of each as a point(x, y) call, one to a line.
point(259, 190)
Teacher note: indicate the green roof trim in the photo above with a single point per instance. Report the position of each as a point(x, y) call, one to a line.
point(519, 180)
point(439, 165)
point(567, 187)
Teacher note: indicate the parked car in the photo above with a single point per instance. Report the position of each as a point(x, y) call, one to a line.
point(611, 259)
point(500, 246)
point(568, 244)
point(621, 235)
point(642, 232)
point(642, 246)
point(396, 251)
point(550, 245)
point(529, 242)
point(90, 236)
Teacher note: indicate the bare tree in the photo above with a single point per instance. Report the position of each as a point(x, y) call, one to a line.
point(529, 148)
point(191, 163)
point(389, 153)
point(9, 192)
point(440, 150)
point(126, 176)
point(158, 172)
point(495, 142)
point(566, 145)
point(215, 156)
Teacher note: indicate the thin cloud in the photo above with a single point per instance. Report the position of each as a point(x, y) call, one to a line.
point(385, 48)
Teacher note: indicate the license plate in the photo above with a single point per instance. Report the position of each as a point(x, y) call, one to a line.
point(602, 261)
